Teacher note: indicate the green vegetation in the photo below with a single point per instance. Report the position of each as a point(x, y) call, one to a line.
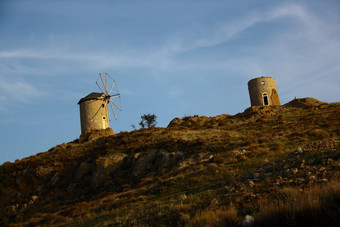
point(148, 121)
point(277, 164)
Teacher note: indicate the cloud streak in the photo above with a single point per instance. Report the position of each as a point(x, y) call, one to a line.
point(17, 92)
point(171, 48)
point(230, 30)
point(163, 58)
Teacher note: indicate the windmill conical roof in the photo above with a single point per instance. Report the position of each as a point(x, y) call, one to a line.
point(93, 95)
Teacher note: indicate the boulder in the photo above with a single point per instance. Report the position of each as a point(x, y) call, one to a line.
point(248, 220)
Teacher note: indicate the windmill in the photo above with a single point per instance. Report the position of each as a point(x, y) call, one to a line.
point(94, 108)
point(108, 95)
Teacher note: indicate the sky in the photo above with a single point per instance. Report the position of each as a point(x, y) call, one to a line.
point(169, 58)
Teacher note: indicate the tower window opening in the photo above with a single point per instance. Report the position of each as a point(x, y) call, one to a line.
point(262, 82)
point(265, 99)
point(104, 118)
point(103, 105)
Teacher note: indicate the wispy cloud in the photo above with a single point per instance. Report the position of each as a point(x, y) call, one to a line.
point(163, 58)
point(170, 48)
point(231, 29)
point(17, 92)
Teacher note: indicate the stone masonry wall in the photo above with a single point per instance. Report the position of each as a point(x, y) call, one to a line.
point(263, 85)
point(93, 115)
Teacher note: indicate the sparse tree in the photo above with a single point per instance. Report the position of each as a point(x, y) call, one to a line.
point(148, 121)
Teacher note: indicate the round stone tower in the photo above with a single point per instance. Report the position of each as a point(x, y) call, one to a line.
point(263, 92)
point(94, 112)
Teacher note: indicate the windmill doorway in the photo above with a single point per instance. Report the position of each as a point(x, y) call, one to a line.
point(265, 99)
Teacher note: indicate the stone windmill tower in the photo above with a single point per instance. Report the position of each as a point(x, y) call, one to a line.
point(94, 108)
point(263, 92)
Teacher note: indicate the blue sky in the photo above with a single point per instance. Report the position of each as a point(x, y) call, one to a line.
point(171, 58)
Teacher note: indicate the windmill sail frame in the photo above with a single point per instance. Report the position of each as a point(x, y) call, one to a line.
point(108, 95)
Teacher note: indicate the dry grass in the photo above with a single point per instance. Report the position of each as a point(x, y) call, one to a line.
point(222, 216)
point(315, 207)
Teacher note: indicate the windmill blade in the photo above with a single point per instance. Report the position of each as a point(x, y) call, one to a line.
point(115, 105)
point(113, 111)
point(115, 96)
point(100, 87)
point(103, 83)
point(114, 82)
point(106, 83)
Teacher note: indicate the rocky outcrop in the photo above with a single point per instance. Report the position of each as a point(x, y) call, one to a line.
point(304, 103)
point(319, 145)
point(156, 161)
point(105, 166)
point(95, 134)
point(260, 111)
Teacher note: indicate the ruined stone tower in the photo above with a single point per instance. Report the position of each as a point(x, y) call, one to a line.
point(94, 112)
point(263, 92)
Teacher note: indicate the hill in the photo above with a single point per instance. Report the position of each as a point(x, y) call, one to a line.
point(279, 164)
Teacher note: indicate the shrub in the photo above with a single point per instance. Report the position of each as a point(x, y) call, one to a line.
point(148, 120)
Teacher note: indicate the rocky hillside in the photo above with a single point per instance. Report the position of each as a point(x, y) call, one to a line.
point(267, 166)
